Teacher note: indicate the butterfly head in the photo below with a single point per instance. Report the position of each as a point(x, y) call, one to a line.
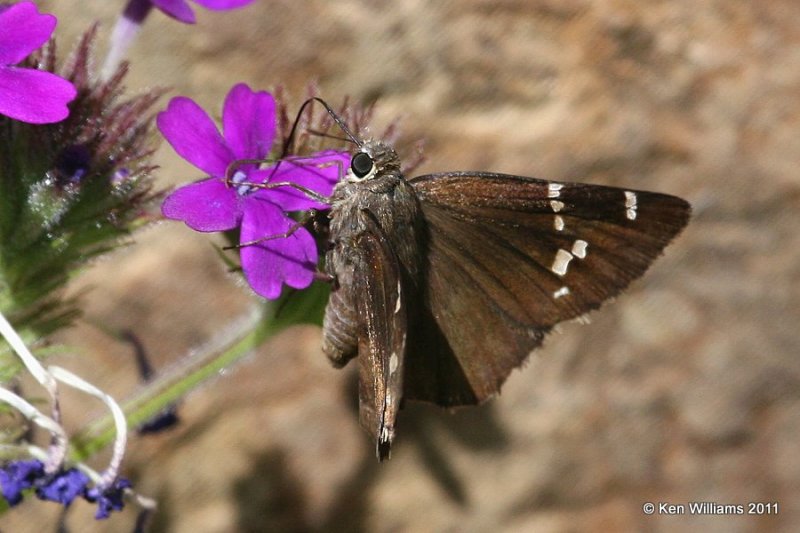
point(374, 158)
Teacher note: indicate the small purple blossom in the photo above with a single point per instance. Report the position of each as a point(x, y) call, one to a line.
point(109, 498)
point(63, 487)
point(133, 16)
point(180, 9)
point(165, 419)
point(72, 164)
point(137, 10)
point(18, 476)
point(249, 128)
point(27, 94)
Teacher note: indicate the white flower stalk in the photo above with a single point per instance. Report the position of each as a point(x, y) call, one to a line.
point(58, 450)
point(49, 377)
point(120, 423)
point(124, 34)
point(34, 415)
point(31, 363)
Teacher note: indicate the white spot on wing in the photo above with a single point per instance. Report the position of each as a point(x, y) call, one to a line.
point(397, 305)
point(563, 291)
point(561, 262)
point(394, 362)
point(579, 248)
point(630, 205)
point(556, 205)
point(554, 190)
point(558, 223)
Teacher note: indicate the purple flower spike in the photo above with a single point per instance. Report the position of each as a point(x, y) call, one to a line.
point(108, 499)
point(249, 123)
point(18, 476)
point(26, 94)
point(63, 487)
point(180, 9)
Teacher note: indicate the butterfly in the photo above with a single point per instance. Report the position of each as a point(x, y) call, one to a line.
point(444, 283)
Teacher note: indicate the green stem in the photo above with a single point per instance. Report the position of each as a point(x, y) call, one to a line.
point(169, 387)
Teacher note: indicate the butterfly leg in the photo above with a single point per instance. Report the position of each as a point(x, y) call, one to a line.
point(288, 233)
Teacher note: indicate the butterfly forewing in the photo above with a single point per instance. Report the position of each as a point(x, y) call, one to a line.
point(509, 257)
point(381, 344)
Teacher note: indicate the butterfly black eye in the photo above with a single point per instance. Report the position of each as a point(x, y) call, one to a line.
point(361, 164)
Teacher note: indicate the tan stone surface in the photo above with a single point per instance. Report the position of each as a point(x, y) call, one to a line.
point(687, 388)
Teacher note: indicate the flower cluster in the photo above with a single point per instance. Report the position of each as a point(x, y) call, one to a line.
point(69, 190)
point(61, 487)
point(275, 248)
point(76, 178)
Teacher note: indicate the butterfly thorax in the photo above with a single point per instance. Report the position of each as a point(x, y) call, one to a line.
point(388, 198)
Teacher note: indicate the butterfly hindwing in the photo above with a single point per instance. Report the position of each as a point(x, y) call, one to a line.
point(509, 257)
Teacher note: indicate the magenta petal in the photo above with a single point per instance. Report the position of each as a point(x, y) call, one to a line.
point(319, 172)
point(221, 5)
point(177, 9)
point(194, 136)
point(34, 96)
point(22, 30)
point(248, 120)
point(206, 205)
point(267, 265)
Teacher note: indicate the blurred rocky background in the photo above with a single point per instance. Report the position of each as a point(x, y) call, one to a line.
point(687, 388)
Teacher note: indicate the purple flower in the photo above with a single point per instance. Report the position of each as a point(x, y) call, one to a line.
point(137, 10)
point(180, 9)
point(63, 487)
point(26, 94)
point(18, 476)
point(249, 126)
point(109, 498)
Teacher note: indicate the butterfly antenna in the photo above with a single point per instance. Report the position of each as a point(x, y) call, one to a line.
point(328, 135)
point(336, 118)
